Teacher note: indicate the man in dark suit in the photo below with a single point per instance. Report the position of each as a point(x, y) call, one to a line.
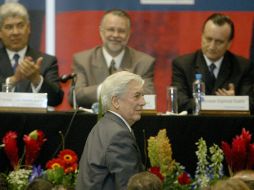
point(111, 155)
point(94, 65)
point(223, 72)
point(20, 65)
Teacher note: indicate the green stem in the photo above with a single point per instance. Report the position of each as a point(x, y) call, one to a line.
point(62, 137)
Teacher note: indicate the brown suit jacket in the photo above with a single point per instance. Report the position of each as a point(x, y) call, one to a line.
point(91, 69)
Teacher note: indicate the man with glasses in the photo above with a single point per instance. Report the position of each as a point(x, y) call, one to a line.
point(94, 65)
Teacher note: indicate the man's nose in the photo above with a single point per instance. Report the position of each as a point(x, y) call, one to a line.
point(143, 102)
point(15, 30)
point(212, 44)
point(115, 33)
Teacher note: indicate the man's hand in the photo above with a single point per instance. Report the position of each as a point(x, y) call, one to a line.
point(30, 70)
point(225, 92)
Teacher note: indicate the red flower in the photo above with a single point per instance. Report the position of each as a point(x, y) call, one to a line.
point(156, 171)
point(250, 162)
point(55, 163)
point(227, 152)
point(11, 148)
point(68, 156)
point(71, 168)
point(33, 143)
point(246, 136)
point(241, 153)
point(184, 179)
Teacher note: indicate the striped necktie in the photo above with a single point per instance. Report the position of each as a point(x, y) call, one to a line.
point(112, 68)
point(16, 61)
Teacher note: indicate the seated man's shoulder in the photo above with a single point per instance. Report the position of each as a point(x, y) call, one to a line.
point(237, 58)
point(88, 52)
point(136, 54)
point(187, 58)
point(47, 58)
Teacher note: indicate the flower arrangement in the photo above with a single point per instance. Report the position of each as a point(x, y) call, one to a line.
point(209, 167)
point(173, 174)
point(18, 179)
point(63, 169)
point(60, 171)
point(33, 143)
point(240, 154)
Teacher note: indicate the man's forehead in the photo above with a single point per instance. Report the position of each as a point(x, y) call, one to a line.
point(13, 19)
point(134, 86)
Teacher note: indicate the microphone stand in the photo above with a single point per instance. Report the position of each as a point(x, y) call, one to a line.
point(73, 86)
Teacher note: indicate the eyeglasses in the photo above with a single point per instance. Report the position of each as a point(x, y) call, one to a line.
point(113, 30)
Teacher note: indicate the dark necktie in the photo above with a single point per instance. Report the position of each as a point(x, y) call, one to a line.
point(112, 68)
point(210, 79)
point(211, 68)
point(16, 61)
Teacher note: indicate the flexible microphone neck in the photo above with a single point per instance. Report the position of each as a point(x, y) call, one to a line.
point(64, 78)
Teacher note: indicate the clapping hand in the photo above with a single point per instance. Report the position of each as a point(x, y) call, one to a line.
point(226, 92)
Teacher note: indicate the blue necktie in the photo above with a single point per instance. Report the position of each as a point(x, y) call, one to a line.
point(16, 61)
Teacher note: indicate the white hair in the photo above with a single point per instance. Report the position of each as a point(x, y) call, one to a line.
point(13, 9)
point(116, 85)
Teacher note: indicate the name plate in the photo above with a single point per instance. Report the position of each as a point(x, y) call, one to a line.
point(23, 102)
point(228, 103)
point(150, 102)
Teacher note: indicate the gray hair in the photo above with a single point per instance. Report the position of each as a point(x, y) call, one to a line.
point(13, 10)
point(116, 85)
point(117, 12)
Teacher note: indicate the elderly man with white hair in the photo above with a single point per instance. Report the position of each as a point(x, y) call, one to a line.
point(111, 155)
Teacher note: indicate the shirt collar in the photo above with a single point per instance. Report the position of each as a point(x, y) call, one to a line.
point(117, 59)
point(122, 119)
point(217, 63)
point(21, 53)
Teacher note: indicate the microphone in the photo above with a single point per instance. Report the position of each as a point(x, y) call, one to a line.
point(64, 78)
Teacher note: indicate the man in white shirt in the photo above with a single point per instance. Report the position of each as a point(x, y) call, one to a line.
point(20, 65)
point(94, 65)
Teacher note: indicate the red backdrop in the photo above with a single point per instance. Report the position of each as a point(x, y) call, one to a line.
point(164, 35)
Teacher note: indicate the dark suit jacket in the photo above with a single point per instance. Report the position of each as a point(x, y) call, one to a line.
point(110, 157)
point(234, 69)
point(49, 71)
point(91, 69)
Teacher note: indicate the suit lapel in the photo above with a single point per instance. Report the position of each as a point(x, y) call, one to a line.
point(201, 67)
point(6, 69)
point(127, 63)
point(100, 69)
point(223, 73)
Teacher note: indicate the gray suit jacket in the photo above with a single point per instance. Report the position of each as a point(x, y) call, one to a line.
point(91, 69)
point(110, 157)
point(234, 69)
point(49, 71)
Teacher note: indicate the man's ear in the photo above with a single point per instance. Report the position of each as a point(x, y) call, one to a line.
point(115, 102)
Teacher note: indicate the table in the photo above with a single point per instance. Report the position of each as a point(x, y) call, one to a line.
point(183, 132)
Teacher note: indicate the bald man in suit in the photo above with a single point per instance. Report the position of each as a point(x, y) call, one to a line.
point(94, 65)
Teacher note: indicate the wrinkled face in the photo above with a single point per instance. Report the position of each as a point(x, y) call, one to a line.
point(130, 104)
point(114, 32)
point(215, 40)
point(14, 33)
